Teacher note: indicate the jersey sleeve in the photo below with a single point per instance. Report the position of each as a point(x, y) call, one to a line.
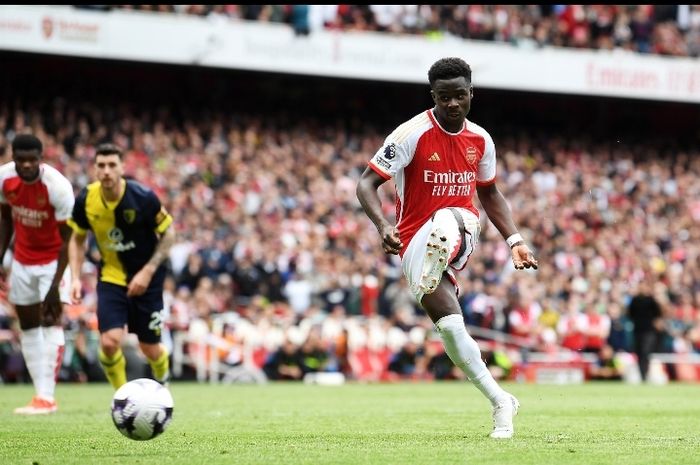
point(391, 157)
point(159, 215)
point(78, 220)
point(62, 199)
point(487, 164)
point(6, 171)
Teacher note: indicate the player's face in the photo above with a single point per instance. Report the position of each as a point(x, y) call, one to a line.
point(27, 164)
point(109, 171)
point(453, 98)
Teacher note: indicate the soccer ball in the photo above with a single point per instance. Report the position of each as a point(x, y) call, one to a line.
point(142, 409)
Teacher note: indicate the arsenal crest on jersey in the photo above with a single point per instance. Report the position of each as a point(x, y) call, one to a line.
point(41, 201)
point(470, 156)
point(129, 215)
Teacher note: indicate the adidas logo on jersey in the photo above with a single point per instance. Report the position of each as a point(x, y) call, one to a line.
point(434, 157)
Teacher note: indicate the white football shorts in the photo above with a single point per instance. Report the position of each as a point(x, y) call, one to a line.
point(444, 219)
point(29, 284)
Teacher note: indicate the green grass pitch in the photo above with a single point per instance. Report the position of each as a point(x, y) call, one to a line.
point(411, 423)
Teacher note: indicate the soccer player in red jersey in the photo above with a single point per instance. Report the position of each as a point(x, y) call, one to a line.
point(438, 161)
point(35, 202)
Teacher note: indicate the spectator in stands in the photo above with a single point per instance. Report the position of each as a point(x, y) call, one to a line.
point(597, 326)
point(285, 364)
point(409, 361)
point(313, 356)
point(607, 366)
point(440, 366)
point(499, 363)
point(440, 226)
point(620, 335)
point(658, 29)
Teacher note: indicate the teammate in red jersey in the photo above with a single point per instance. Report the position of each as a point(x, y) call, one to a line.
point(438, 160)
point(35, 202)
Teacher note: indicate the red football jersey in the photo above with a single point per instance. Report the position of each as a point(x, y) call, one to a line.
point(433, 169)
point(37, 209)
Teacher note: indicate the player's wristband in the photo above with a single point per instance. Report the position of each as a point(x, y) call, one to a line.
point(514, 239)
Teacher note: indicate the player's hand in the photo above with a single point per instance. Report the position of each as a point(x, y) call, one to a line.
point(390, 240)
point(139, 283)
point(51, 307)
point(523, 257)
point(76, 291)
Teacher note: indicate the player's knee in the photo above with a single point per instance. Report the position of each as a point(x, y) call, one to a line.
point(29, 316)
point(152, 351)
point(110, 343)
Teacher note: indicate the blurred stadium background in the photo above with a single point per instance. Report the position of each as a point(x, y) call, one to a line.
point(253, 124)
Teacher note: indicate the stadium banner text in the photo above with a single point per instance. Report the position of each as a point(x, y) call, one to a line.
point(257, 46)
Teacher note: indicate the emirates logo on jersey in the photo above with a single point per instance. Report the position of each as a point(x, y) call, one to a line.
point(470, 156)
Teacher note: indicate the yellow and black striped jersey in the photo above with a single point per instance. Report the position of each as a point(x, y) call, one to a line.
point(126, 231)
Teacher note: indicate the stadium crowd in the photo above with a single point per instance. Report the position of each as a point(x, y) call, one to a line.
point(276, 265)
point(672, 30)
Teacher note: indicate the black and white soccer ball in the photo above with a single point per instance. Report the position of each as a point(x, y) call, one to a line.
point(142, 409)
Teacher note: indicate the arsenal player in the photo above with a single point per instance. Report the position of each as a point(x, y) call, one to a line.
point(438, 160)
point(35, 202)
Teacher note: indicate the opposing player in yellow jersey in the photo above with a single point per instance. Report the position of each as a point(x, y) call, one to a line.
point(134, 234)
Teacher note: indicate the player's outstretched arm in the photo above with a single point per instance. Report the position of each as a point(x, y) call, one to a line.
point(369, 199)
point(76, 256)
point(499, 213)
point(141, 280)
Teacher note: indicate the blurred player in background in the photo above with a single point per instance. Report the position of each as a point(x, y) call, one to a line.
point(133, 233)
point(35, 202)
point(438, 160)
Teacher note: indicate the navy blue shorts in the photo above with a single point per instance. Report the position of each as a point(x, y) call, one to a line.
point(142, 314)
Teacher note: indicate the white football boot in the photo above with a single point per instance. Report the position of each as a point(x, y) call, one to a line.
point(503, 414)
point(443, 240)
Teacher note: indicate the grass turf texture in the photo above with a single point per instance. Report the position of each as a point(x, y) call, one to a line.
point(431, 423)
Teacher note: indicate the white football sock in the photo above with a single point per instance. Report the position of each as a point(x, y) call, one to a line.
point(32, 350)
point(54, 342)
point(464, 352)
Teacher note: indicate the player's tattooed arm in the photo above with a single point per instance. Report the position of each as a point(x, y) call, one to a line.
point(141, 280)
point(167, 240)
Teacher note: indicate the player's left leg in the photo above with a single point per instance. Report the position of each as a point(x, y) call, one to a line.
point(443, 308)
point(448, 239)
point(26, 294)
point(159, 360)
point(148, 325)
point(52, 327)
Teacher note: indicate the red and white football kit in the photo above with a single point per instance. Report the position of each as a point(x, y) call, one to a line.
point(38, 208)
point(434, 169)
